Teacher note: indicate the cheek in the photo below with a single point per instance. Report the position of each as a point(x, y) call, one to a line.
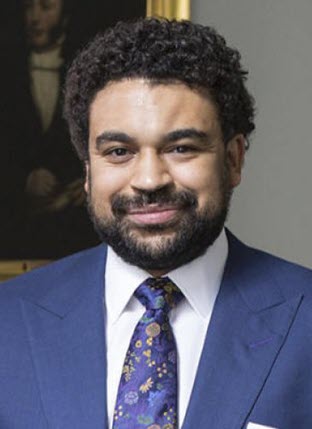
point(49, 23)
point(207, 182)
point(106, 182)
point(53, 19)
point(201, 177)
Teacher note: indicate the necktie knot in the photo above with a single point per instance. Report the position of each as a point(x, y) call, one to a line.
point(158, 294)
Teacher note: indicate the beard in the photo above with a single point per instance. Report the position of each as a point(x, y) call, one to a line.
point(171, 244)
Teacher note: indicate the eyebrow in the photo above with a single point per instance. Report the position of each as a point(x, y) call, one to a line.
point(187, 133)
point(112, 136)
point(173, 136)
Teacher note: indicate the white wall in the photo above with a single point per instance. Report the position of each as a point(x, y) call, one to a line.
point(272, 209)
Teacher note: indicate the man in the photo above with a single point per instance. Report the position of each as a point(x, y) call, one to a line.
point(160, 115)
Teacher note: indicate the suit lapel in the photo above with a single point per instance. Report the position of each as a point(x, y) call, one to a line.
point(65, 324)
point(66, 336)
point(249, 325)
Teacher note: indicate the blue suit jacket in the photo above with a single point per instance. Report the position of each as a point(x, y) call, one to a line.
point(255, 367)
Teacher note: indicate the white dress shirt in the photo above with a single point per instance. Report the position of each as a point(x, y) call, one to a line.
point(199, 282)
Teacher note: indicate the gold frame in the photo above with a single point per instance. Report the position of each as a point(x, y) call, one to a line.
point(170, 9)
point(13, 268)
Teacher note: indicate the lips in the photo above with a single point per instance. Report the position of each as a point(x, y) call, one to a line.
point(152, 214)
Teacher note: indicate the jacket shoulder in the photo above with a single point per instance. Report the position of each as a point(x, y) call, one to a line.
point(38, 281)
point(289, 276)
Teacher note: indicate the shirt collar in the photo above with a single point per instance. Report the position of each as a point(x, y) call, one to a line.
point(199, 280)
point(48, 59)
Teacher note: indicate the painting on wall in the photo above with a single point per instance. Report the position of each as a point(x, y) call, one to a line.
point(43, 213)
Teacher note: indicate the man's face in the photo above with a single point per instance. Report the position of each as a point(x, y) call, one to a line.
point(44, 23)
point(159, 177)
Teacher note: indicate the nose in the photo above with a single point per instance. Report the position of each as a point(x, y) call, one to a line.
point(151, 173)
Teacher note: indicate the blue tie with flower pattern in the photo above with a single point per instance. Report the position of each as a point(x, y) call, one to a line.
point(147, 393)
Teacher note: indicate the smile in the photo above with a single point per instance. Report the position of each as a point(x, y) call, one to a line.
point(152, 214)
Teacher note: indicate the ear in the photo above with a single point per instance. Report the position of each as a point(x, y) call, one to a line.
point(235, 156)
point(87, 175)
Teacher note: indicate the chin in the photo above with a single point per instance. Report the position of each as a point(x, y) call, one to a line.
point(152, 232)
point(152, 239)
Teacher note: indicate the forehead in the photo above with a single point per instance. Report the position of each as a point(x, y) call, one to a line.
point(139, 104)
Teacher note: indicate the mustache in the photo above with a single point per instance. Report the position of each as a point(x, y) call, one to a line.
point(121, 204)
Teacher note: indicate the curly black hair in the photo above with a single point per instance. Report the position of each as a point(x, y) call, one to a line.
point(160, 51)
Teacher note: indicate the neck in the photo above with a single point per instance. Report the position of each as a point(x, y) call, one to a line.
point(158, 273)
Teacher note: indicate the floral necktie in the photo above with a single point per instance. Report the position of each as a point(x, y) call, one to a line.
point(147, 394)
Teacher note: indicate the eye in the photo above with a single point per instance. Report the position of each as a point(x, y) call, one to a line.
point(182, 152)
point(118, 155)
point(182, 149)
point(119, 152)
